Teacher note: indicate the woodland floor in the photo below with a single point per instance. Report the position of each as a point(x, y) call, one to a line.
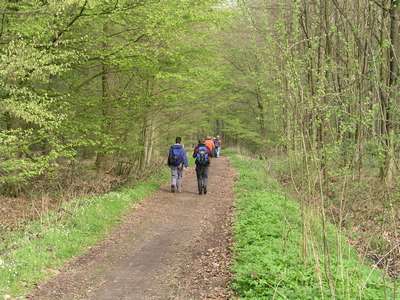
point(171, 246)
point(16, 212)
point(370, 221)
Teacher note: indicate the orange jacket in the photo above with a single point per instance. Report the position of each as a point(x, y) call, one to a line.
point(210, 145)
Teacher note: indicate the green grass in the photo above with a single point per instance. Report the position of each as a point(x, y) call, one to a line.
point(31, 256)
point(268, 254)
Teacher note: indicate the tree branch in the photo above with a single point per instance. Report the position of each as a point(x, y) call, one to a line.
point(60, 34)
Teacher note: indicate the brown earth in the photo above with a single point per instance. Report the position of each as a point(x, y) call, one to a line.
point(171, 246)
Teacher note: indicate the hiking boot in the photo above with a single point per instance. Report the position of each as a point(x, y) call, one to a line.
point(172, 188)
point(201, 192)
point(205, 190)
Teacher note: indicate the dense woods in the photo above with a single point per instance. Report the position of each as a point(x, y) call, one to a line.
point(103, 84)
point(316, 86)
point(322, 80)
point(97, 88)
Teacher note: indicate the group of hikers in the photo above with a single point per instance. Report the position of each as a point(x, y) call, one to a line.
point(202, 153)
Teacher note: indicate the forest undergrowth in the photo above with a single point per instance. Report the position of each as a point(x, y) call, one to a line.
point(50, 193)
point(364, 208)
point(283, 251)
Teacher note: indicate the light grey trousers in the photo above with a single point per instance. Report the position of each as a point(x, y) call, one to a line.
point(176, 177)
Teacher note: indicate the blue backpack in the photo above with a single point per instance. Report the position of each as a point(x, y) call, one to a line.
point(175, 157)
point(202, 158)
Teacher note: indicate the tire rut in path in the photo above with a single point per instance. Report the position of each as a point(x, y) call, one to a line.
point(171, 246)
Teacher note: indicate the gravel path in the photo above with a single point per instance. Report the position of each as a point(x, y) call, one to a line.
point(171, 246)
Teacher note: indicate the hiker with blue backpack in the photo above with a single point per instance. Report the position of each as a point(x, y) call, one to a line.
point(177, 159)
point(202, 155)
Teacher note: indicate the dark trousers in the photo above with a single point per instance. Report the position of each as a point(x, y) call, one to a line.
point(202, 177)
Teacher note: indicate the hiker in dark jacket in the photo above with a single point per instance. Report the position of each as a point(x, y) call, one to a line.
point(177, 159)
point(202, 155)
point(217, 144)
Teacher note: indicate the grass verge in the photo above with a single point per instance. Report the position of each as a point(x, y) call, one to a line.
point(271, 258)
point(34, 254)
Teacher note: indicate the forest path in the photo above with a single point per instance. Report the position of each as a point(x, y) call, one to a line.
point(171, 246)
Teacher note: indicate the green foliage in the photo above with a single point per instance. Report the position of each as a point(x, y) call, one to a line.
point(268, 260)
point(110, 81)
point(27, 256)
point(29, 60)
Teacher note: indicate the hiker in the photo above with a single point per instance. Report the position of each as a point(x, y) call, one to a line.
point(217, 144)
point(202, 156)
point(177, 159)
point(210, 144)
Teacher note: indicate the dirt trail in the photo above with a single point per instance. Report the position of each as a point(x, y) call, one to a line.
point(172, 246)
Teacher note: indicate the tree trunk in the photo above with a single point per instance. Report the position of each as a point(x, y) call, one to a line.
point(388, 171)
point(103, 160)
